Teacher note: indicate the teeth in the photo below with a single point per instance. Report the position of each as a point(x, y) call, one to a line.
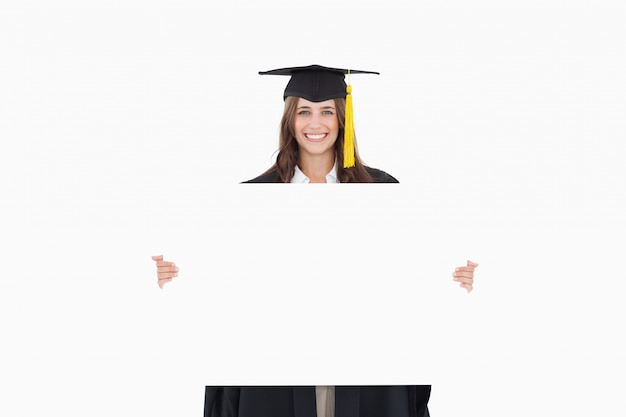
point(316, 136)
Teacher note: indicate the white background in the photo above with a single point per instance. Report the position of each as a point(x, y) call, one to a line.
point(125, 128)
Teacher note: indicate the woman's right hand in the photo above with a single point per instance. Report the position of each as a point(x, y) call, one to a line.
point(166, 271)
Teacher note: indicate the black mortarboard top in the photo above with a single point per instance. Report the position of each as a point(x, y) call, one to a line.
point(317, 83)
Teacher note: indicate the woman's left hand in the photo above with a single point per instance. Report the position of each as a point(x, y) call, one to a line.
point(464, 275)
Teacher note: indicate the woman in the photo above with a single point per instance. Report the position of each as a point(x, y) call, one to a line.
point(317, 142)
point(317, 145)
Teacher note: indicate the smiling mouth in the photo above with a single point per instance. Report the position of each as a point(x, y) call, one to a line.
point(315, 137)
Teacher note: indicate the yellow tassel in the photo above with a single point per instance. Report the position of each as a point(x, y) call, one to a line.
point(348, 136)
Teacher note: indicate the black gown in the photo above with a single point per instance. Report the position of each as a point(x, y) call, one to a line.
point(299, 401)
point(376, 174)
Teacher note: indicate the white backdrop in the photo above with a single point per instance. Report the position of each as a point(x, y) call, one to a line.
point(127, 126)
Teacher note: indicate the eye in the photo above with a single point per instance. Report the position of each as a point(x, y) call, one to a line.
point(304, 113)
point(328, 112)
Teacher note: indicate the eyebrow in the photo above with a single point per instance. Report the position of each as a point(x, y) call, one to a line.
point(323, 108)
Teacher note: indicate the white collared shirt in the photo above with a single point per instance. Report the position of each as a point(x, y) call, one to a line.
point(325, 400)
point(300, 178)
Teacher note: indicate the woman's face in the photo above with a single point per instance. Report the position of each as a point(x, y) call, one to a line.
point(316, 127)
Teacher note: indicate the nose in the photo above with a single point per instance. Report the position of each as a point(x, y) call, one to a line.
point(314, 121)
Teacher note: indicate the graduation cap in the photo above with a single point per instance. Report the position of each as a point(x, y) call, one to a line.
point(317, 83)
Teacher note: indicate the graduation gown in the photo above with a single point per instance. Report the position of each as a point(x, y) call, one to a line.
point(376, 174)
point(299, 401)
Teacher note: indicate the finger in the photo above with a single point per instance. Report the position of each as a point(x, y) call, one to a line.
point(157, 258)
point(164, 264)
point(168, 274)
point(170, 268)
point(472, 264)
point(468, 287)
point(462, 273)
point(465, 268)
point(162, 282)
point(463, 276)
point(464, 280)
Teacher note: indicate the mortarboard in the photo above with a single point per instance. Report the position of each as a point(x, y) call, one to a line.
point(317, 83)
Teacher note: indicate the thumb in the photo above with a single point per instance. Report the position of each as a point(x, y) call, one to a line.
point(472, 264)
point(157, 258)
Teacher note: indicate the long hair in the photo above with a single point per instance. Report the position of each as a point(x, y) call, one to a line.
point(287, 158)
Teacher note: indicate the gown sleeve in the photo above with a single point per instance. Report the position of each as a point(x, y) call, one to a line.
point(221, 401)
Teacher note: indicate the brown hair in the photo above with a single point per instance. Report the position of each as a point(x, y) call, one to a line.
point(287, 158)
